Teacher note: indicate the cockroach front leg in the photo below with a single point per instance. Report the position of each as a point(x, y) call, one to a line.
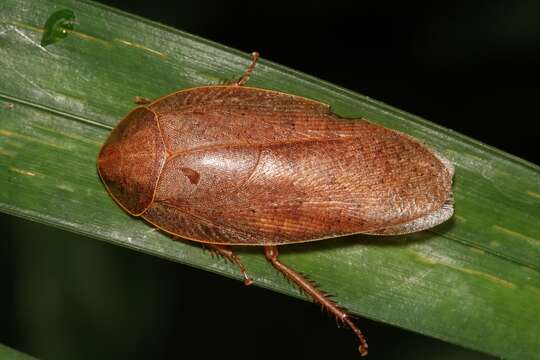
point(271, 254)
point(232, 257)
point(139, 100)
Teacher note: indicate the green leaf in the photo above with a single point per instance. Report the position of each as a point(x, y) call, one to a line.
point(7, 353)
point(474, 281)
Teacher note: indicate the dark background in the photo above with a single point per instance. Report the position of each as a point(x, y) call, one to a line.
point(469, 66)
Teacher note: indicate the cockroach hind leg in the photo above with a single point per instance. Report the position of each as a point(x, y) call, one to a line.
point(363, 347)
point(232, 257)
point(318, 296)
point(249, 70)
point(139, 100)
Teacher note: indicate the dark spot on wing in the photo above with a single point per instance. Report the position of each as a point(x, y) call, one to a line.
point(191, 174)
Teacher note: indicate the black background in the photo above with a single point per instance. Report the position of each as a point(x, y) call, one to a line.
point(469, 66)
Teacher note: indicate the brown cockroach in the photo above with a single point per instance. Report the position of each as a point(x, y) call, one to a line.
point(236, 165)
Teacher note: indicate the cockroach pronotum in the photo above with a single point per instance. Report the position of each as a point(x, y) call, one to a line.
point(232, 165)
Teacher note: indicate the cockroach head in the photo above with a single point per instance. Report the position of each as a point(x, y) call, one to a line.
point(131, 159)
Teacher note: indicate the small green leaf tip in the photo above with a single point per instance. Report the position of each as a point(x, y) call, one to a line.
point(57, 26)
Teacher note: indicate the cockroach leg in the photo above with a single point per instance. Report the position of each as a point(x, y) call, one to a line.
point(232, 257)
point(139, 100)
point(247, 74)
point(309, 289)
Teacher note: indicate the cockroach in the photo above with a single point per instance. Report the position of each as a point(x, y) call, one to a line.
point(231, 165)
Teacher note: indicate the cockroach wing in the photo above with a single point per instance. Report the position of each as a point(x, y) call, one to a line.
point(221, 115)
point(249, 172)
point(238, 98)
point(427, 221)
